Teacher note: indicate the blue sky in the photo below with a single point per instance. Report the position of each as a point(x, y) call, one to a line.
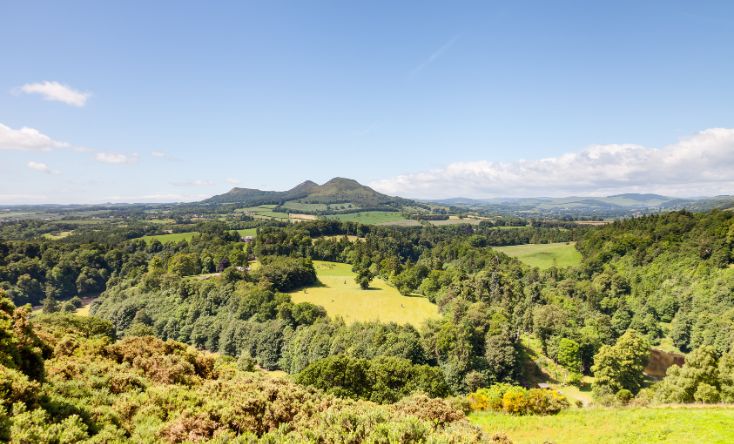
point(162, 101)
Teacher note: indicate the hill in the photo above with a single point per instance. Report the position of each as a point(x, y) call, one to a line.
point(618, 205)
point(336, 191)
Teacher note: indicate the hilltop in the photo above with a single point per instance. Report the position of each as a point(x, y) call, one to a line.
point(348, 193)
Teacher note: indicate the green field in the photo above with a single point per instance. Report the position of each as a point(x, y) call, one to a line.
point(674, 424)
point(263, 212)
point(178, 237)
point(169, 238)
point(341, 296)
point(300, 206)
point(370, 217)
point(57, 236)
point(544, 256)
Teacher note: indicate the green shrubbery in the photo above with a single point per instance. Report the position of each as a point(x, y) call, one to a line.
point(706, 377)
point(143, 389)
point(518, 400)
point(382, 380)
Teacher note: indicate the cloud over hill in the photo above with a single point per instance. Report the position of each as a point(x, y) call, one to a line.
point(702, 164)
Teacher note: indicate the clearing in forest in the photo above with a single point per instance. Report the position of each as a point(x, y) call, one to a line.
point(340, 295)
point(543, 256)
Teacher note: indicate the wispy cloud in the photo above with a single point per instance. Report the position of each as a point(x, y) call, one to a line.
point(163, 155)
point(701, 164)
point(232, 181)
point(41, 167)
point(116, 158)
point(57, 92)
point(435, 55)
point(194, 183)
point(27, 139)
point(157, 197)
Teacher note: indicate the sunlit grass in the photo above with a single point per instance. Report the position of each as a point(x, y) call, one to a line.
point(561, 254)
point(340, 295)
point(673, 424)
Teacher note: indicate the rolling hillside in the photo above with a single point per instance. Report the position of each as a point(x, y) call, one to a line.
point(347, 193)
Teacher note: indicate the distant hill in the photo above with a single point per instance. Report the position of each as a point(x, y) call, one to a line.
point(338, 190)
point(609, 206)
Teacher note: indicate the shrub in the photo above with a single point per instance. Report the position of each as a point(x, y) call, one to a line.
point(515, 401)
point(706, 393)
point(545, 402)
point(624, 396)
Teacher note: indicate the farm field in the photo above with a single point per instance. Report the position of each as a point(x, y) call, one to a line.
point(169, 238)
point(178, 237)
point(340, 295)
point(264, 212)
point(665, 424)
point(544, 256)
point(57, 236)
point(370, 217)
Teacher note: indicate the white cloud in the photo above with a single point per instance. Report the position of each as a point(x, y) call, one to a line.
point(194, 183)
point(116, 158)
point(158, 154)
point(702, 164)
point(158, 197)
point(40, 167)
point(232, 181)
point(57, 92)
point(27, 139)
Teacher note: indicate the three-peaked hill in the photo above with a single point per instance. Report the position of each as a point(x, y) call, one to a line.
point(334, 192)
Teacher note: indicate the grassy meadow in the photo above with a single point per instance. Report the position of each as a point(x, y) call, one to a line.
point(544, 256)
point(370, 217)
point(178, 237)
point(340, 295)
point(649, 425)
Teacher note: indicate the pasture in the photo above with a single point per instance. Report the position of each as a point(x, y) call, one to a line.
point(544, 256)
point(58, 235)
point(664, 424)
point(340, 295)
point(169, 238)
point(178, 237)
point(370, 217)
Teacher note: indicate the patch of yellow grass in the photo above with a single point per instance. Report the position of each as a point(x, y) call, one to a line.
point(682, 424)
point(340, 295)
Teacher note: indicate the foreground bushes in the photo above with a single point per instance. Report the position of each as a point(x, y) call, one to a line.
point(518, 400)
point(143, 389)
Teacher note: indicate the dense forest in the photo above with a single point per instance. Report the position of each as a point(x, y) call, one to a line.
point(218, 307)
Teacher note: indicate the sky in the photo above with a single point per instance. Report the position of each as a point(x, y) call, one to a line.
point(141, 101)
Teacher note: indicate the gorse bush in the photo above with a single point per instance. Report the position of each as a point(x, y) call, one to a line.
point(517, 400)
point(143, 389)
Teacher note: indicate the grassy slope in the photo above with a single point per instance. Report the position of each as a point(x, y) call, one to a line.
point(341, 296)
point(675, 424)
point(545, 255)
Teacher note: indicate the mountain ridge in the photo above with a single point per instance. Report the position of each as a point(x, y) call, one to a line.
point(335, 191)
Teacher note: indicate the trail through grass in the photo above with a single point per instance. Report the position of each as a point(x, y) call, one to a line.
point(544, 256)
point(341, 296)
point(667, 424)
